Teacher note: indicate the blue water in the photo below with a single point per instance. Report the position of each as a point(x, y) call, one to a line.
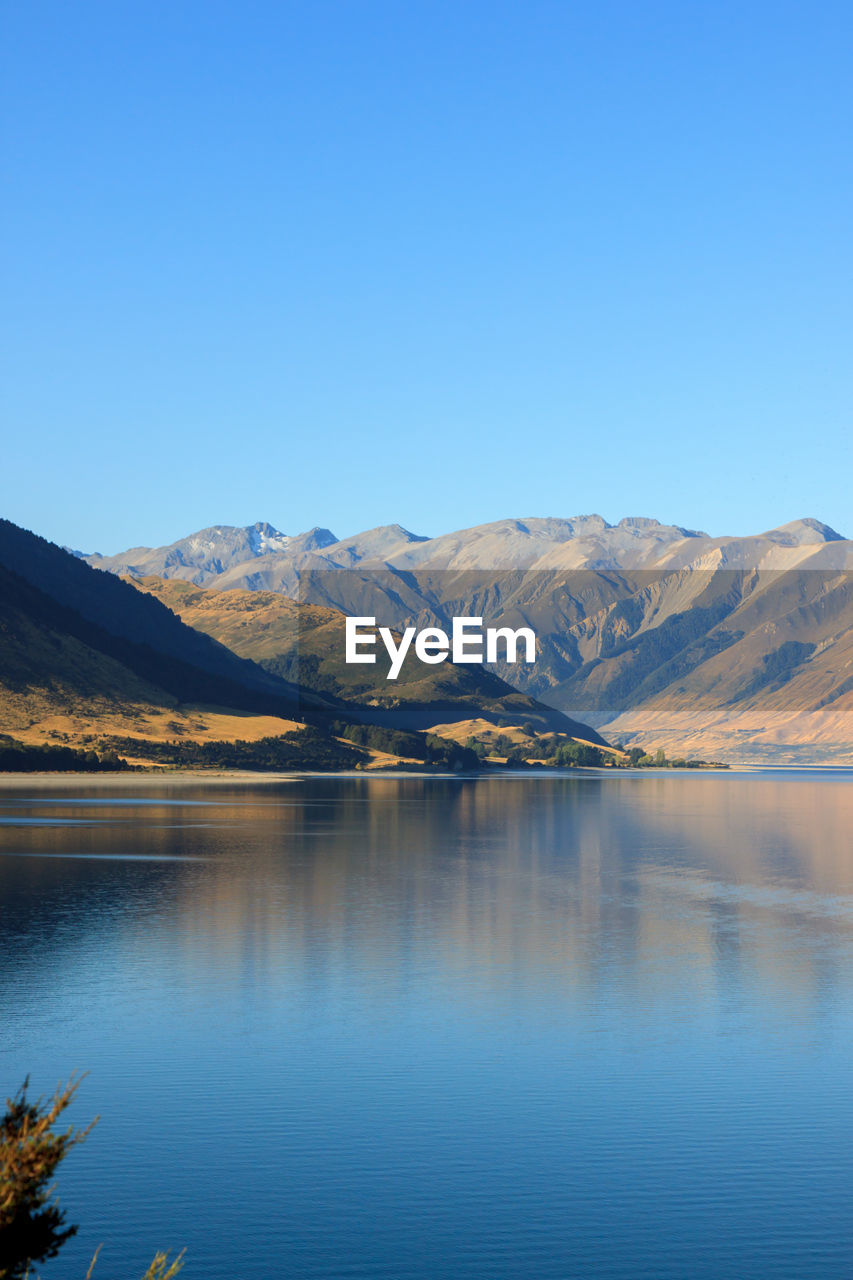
point(547, 1027)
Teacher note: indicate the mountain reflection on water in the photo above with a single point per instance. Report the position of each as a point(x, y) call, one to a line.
point(414, 1027)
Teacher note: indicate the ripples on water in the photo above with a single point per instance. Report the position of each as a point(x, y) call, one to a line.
point(547, 1027)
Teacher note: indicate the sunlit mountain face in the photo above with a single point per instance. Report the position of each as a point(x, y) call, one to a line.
point(733, 648)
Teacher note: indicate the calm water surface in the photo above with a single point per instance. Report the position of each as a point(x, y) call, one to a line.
point(579, 1026)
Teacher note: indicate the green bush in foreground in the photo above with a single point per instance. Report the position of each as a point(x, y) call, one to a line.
point(32, 1225)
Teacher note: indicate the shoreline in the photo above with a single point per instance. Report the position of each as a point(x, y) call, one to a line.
point(223, 778)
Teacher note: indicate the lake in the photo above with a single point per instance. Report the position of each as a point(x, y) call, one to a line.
point(582, 1025)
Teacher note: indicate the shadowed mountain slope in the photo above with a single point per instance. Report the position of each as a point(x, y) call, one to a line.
point(125, 622)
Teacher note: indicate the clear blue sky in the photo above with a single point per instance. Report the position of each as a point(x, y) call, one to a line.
point(437, 263)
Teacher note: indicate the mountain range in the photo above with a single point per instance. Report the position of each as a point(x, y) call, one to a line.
point(259, 556)
point(86, 655)
point(737, 647)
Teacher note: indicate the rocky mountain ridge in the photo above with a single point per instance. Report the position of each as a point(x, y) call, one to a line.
point(260, 556)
